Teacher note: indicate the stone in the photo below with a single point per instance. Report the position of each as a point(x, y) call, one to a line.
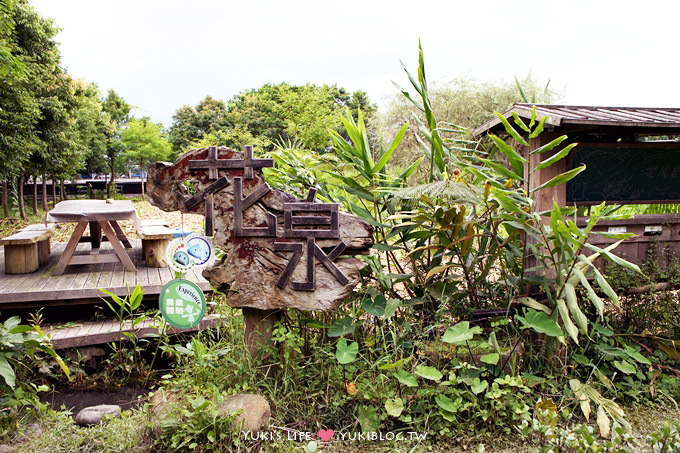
point(252, 411)
point(161, 402)
point(93, 415)
point(252, 266)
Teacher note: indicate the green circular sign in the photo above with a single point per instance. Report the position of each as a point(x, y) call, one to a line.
point(182, 303)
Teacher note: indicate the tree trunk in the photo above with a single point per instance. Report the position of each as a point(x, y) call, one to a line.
point(5, 197)
point(141, 175)
point(113, 178)
point(62, 191)
point(44, 191)
point(54, 192)
point(35, 195)
point(22, 211)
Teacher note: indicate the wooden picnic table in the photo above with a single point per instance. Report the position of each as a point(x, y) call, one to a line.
point(102, 218)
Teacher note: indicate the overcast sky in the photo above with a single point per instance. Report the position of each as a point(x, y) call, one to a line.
point(162, 54)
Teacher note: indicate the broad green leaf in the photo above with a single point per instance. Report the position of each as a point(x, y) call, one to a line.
point(314, 324)
point(376, 306)
point(478, 386)
point(406, 378)
point(625, 366)
point(428, 372)
point(636, 355)
point(561, 178)
point(342, 326)
point(7, 372)
point(447, 403)
point(368, 418)
point(601, 281)
point(460, 333)
point(346, 352)
point(620, 261)
point(491, 359)
point(501, 170)
point(389, 366)
point(540, 322)
point(394, 406)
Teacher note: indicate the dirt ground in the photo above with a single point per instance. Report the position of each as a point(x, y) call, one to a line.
point(145, 210)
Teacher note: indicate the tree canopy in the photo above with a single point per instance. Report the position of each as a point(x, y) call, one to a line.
point(271, 114)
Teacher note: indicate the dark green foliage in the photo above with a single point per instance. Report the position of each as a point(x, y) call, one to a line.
point(272, 114)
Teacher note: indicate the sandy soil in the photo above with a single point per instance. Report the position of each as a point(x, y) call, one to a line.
point(145, 210)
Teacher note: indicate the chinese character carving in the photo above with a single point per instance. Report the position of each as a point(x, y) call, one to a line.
point(213, 164)
point(308, 223)
point(241, 204)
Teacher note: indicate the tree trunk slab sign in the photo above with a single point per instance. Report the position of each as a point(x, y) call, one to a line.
point(279, 251)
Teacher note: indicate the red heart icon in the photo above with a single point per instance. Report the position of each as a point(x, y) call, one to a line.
point(326, 434)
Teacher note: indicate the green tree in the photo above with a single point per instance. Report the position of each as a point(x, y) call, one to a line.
point(271, 114)
point(145, 142)
point(29, 48)
point(303, 114)
point(195, 124)
point(118, 112)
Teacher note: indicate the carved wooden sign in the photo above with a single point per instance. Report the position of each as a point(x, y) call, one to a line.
point(278, 251)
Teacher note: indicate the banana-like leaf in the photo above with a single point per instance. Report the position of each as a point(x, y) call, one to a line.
point(550, 145)
point(561, 178)
point(395, 143)
point(557, 157)
point(516, 160)
point(618, 260)
point(574, 309)
point(603, 422)
point(583, 399)
point(539, 128)
point(511, 130)
point(594, 298)
point(602, 282)
point(569, 325)
point(529, 302)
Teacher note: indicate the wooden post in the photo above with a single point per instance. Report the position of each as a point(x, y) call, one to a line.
point(544, 199)
point(258, 326)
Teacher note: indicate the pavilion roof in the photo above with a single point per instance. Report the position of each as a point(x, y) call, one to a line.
point(563, 115)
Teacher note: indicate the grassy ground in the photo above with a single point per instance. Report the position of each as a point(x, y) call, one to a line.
point(55, 433)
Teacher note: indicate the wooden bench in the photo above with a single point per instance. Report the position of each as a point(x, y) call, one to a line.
point(155, 240)
point(26, 250)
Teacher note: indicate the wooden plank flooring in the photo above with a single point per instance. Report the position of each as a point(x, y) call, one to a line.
point(87, 333)
point(81, 283)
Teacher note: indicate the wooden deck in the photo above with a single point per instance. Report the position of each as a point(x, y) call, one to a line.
point(88, 333)
point(80, 284)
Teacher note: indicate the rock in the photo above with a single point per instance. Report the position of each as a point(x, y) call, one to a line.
point(161, 402)
point(253, 411)
point(93, 415)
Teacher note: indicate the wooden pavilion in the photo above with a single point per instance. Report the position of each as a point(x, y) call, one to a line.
point(632, 155)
